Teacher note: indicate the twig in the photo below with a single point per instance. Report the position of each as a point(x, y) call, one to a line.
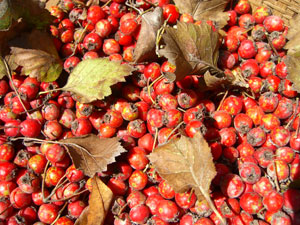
point(221, 103)
point(275, 177)
point(59, 213)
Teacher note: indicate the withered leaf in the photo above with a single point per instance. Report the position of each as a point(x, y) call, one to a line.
point(2, 69)
point(99, 203)
point(185, 163)
point(37, 55)
point(37, 63)
point(293, 55)
point(92, 78)
point(293, 67)
point(92, 154)
point(294, 28)
point(145, 47)
point(82, 220)
point(33, 12)
point(205, 10)
point(193, 49)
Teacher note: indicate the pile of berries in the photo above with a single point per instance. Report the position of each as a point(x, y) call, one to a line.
point(254, 135)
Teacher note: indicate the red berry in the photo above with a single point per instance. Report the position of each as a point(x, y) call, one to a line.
point(251, 202)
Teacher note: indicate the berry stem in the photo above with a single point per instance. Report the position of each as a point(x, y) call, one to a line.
point(223, 99)
point(107, 3)
point(173, 131)
point(6, 209)
point(159, 35)
point(155, 138)
point(59, 213)
point(43, 181)
point(52, 90)
point(275, 177)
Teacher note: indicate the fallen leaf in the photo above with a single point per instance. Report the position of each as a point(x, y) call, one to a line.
point(205, 10)
point(294, 28)
point(145, 47)
point(99, 203)
point(193, 49)
point(5, 15)
point(37, 63)
point(186, 163)
point(82, 220)
point(2, 69)
point(51, 3)
point(92, 154)
point(91, 79)
point(33, 12)
point(293, 67)
point(37, 55)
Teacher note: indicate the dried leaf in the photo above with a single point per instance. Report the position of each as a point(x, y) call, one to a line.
point(293, 66)
point(185, 163)
point(2, 69)
point(5, 15)
point(145, 47)
point(92, 78)
point(82, 220)
point(51, 3)
point(37, 55)
point(92, 154)
point(33, 12)
point(205, 10)
point(99, 203)
point(37, 63)
point(193, 49)
point(294, 28)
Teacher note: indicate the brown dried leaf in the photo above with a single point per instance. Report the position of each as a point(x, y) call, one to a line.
point(205, 10)
point(294, 28)
point(145, 47)
point(185, 163)
point(293, 66)
point(92, 154)
point(193, 49)
point(82, 220)
point(99, 204)
point(36, 53)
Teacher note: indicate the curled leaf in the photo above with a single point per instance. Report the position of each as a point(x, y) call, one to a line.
point(293, 67)
point(92, 78)
point(145, 47)
point(92, 154)
point(205, 10)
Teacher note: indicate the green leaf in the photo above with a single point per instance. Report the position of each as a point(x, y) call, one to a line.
point(5, 15)
point(205, 10)
point(91, 79)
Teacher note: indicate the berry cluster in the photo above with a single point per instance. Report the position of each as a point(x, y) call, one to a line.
point(254, 135)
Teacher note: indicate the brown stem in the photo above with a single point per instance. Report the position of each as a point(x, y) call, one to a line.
point(221, 103)
point(59, 213)
point(43, 181)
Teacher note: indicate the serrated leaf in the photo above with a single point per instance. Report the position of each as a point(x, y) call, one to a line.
point(145, 47)
point(193, 49)
point(92, 154)
point(91, 79)
point(37, 63)
point(185, 163)
point(37, 55)
point(205, 10)
point(5, 15)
